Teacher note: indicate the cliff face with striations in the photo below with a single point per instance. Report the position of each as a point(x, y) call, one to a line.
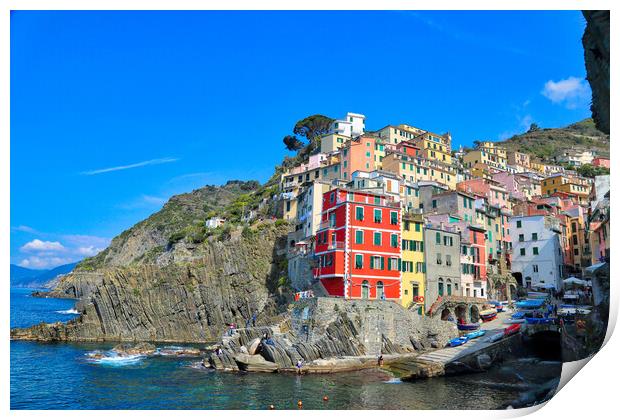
point(596, 53)
point(155, 284)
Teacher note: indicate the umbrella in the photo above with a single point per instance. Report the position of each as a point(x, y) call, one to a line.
point(574, 280)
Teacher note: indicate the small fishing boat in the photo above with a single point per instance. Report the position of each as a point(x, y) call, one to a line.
point(489, 318)
point(539, 320)
point(475, 334)
point(518, 315)
point(530, 304)
point(513, 329)
point(499, 307)
point(514, 321)
point(468, 327)
point(459, 341)
point(496, 337)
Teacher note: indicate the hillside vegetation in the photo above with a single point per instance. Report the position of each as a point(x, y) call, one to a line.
point(546, 143)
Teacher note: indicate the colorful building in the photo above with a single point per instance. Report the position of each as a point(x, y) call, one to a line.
point(412, 261)
point(602, 162)
point(358, 245)
point(442, 255)
point(487, 153)
point(419, 169)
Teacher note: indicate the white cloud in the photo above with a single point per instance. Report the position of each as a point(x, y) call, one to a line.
point(44, 262)
point(572, 92)
point(131, 166)
point(88, 251)
point(38, 245)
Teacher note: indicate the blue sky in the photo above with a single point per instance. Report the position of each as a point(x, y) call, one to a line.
point(114, 112)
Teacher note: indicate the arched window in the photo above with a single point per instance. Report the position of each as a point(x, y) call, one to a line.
point(365, 290)
point(380, 294)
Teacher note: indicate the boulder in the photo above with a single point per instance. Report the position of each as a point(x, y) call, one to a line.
point(140, 348)
point(254, 363)
point(253, 346)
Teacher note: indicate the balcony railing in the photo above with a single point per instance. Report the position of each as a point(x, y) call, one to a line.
point(335, 245)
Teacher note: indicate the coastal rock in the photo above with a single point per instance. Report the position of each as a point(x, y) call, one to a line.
point(138, 349)
point(185, 301)
point(253, 347)
point(255, 363)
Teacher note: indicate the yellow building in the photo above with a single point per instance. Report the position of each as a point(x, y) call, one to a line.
point(576, 186)
point(419, 169)
point(434, 146)
point(413, 267)
point(488, 153)
point(545, 168)
point(332, 142)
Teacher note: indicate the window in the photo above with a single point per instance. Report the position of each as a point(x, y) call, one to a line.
point(534, 236)
point(393, 218)
point(535, 250)
point(394, 240)
point(535, 268)
point(332, 197)
point(359, 213)
point(417, 226)
point(359, 261)
point(377, 262)
point(377, 213)
point(359, 236)
point(522, 251)
point(438, 258)
point(518, 223)
point(521, 237)
point(434, 205)
point(377, 238)
point(377, 200)
point(332, 220)
point(448, 260)
point(438, 238)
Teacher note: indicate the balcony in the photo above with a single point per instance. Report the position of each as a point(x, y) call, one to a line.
point(335, 245)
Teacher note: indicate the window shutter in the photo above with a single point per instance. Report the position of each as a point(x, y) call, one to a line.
point(372, 262)
point(382, 263)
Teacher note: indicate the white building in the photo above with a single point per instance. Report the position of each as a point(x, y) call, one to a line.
point(352, 125)
point(576, 157)
point(214, 222)
point(537, 253)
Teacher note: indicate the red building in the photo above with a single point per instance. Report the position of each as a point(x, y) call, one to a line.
point(358, 245)
point(601, 161)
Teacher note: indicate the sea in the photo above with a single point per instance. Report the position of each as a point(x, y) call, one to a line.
point(65, 376)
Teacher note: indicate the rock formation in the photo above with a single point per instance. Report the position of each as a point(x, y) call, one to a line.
point(330, 334)
point(596, 50)
point(190, 297)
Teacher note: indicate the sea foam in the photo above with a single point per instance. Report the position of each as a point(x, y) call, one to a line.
point(71, 311)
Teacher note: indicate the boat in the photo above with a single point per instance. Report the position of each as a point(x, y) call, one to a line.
point(514, 321)
point(459, 341)
point(488, 318)
point(487, 312)
point(539, 320)
point(499, 307)
point(513, 329)
point(530, 304)
point(468, 327)
point(496, 337)
point(518, 315)
point(475, 334)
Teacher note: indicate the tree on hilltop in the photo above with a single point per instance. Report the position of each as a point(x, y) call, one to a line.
point(292, 143)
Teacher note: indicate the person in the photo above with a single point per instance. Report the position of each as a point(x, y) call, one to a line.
point(299, 365)
point(218, 351)
point(254, 319)
point(380, 360)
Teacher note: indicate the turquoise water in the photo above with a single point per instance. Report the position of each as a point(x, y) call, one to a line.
point(62, 376)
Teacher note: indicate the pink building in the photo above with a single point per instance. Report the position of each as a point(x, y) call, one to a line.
point(601, 161)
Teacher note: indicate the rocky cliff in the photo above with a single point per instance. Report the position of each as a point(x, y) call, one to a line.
point(331, 334)
point(152, 285)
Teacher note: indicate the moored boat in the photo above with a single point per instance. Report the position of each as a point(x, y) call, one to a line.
point(514, 321)
point(496, 337)
point(539, 320)
point(475, 334)
point(513, 329)
point(459, 341)
point(468, 327)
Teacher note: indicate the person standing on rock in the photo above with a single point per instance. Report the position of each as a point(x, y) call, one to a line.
point(254, 319)
point(299, 365)
point(380, 360)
